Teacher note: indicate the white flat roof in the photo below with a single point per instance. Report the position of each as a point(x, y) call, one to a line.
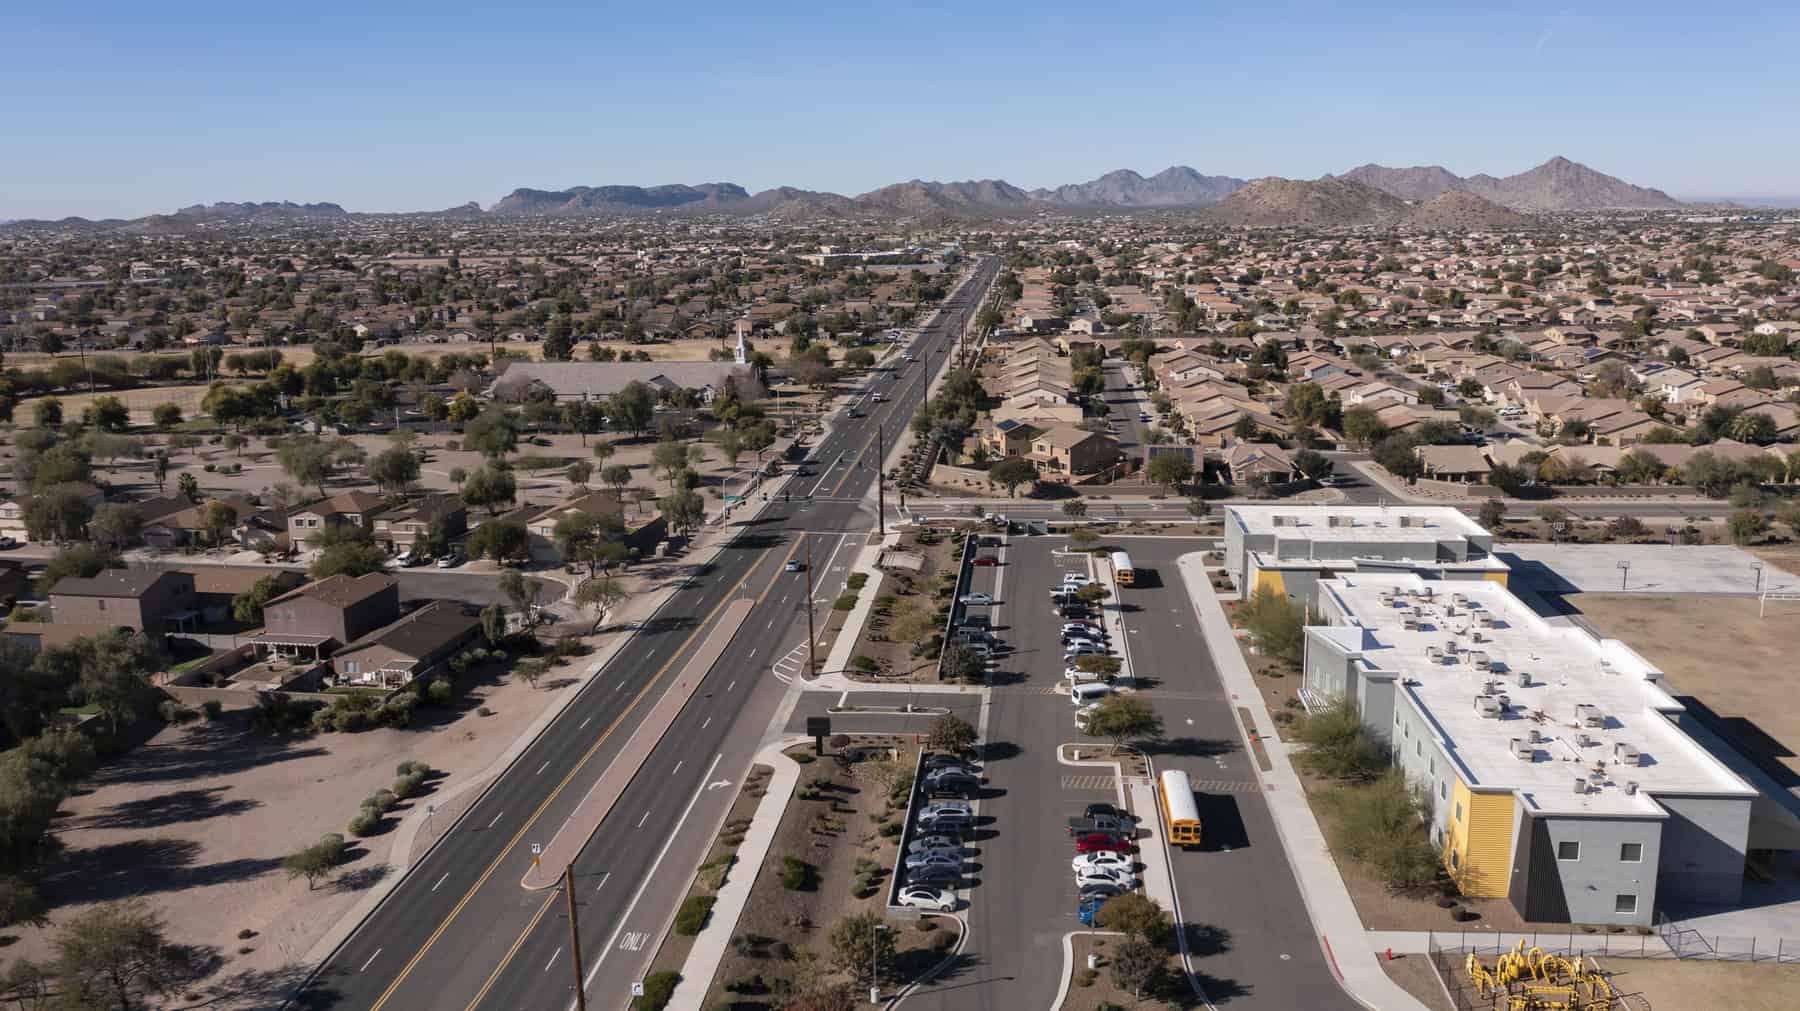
point(1357, 522)
point(1439, 663)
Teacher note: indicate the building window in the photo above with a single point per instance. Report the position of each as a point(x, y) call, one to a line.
point(1455, 861)
point(1459, 810)
point(1624, 903)
point(1631, 852)
point(352, 667)
point(1568, 849)
point(101, 603)
point(1444, 791)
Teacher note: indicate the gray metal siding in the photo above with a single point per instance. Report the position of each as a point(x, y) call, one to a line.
point(1592, 882)
point(1703, 848)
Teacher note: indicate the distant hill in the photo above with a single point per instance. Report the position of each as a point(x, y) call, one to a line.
point(1557, 185)
point(1273, 202)
point(618, 199)
point(1457, 211)
point(1176, 186)
point(916, 197)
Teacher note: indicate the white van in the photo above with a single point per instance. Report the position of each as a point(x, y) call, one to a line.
point(1082, 695)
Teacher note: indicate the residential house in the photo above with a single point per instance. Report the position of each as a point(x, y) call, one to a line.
point(356, 507)
point(153, 601)
point(1006, 436)
point(406, 525)
point(331, 612)
point(1068, 450)
point(216, 586)
point(1252, 461)
point(173, 521)
point(412, 647)
point(1455, 462)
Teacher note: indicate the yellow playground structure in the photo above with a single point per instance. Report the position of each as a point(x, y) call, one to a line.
point(1536, 980)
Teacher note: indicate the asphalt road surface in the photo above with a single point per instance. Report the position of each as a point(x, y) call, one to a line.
point(460, 932)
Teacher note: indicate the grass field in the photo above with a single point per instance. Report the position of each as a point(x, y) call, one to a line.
point(1676, 985)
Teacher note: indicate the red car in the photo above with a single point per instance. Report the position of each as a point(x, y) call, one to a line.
point(1101, 842)
point(986, 560)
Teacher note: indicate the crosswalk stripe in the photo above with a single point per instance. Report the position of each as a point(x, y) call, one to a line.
point(1087, 783)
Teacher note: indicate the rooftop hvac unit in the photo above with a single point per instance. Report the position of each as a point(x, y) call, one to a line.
point(1522, 749)
point(1535, 736)
point(1505, 701)
point(1481, 660)
point(1484, 619)
point(1279, 520)
point(1583, 741)
point(1580, 785)
point(1589, 715)
point(1488, 686)
point(1339, 521)
point(1631, 787)
point(1626, 754)
point(1406, 521)
point(1410, 623)
point(1487, 708)
point(1433, 654)
point(1524, 679)
point(1459, 598)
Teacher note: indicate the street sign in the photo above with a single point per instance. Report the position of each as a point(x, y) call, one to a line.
point(637, 989)
point(818, 728)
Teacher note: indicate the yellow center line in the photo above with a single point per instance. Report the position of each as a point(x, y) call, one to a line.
point(456, 910)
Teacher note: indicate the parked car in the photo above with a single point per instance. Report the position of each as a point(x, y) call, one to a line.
point(942, 760)
point(976, 598)
point(1076, 579)
point(935, 875)
point(1102, 808)
point(1071, 652)
point(794, 565)
point(934, 858)
point(985, 560)
point(1080, 626)
point(450, 561)
point(927, 897)
point(1098, 842)
point(952, 782)
point(1102, 890)
point(928, 843)
point(1103, 875)
point(1115, 861)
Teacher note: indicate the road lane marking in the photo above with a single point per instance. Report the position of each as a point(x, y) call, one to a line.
point(441, 880)
point(644, 819)
point(708, 723)
point(731, 686)
point(456, 910)
point(541, 769)
point(677, 768)
point(602, 883)
point(584, 723)
point(553, 957)
point(620, 688)
point(372, 958)
point(496, 820)
point(668, 840)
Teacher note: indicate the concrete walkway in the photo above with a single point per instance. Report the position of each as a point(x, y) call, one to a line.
point(711, 943)
point(1321, 886)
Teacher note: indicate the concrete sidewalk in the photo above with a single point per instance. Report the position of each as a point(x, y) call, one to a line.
point(1321, 886)
point(711, 943)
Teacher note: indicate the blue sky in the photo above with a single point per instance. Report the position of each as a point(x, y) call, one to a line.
point(129, 109)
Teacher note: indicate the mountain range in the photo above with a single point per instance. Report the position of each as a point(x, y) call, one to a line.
point(1368, 194)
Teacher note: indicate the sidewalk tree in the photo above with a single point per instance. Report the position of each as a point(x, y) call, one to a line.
point(1121, 718)
point(860, 943)
point(1492, 514)
point(1312, 464)
point(1277, 625)
point(1075, 508)
point(315, 862)
point(1169, 470)
point(520, 592)
point(1012, 472)
point(599, 595)
point(961, 664)
point(952, 734)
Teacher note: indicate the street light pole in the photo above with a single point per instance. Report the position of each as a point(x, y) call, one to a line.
point(574, 937)
point(880, 485)
point(875, 963)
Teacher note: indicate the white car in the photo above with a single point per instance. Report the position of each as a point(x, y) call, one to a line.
point(935, 843)
point(1102, 860)
point(1081, 716)
point(940, 900)
point(878, 398)
point(1076, 579)
point(976, 598)
point(1103, 875)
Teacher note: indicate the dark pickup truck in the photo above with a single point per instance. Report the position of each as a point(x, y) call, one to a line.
point(1124, 825)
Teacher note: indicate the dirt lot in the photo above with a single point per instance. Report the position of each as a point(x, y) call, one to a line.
point(197, 819)
point(1416, 976)
point(1687, 635)
point(1672, 985)
point(833, 823)
point(903, 598)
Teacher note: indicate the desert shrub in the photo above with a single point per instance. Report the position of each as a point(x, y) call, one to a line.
point(857, 580)
point(439, 692)
point(796, 874)
point(1339, 744)
point(365, 823)
point(212, 709)
point(659, 987)
point(1379, 824)
point(409, 767)
point(174, 712)
point(408, 785)
point(865, 664)
point(844, 602)
point(692, 915)
point(381, 801)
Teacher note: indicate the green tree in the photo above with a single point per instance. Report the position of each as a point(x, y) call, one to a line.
point(84, 560)
point(1121, 718)
point(1338, 744)
point(219, 518)
point(1012, 472)
point(599, 595)
point(501, 540)
point(462, 408)
point(1307, 405)
point(684, 510)
point(1363, 426)
point(59, 513)
point(1136, 915)
point(47, 413)
point(307, 460)
point(1276, 624)
point(633, 408)
point(494, 434)
point(952, 734)
point(247, 607)
point(1747, 525)
point(115, 956)
point(490, 487)
point(1312, 464)
point(345, 548)
point(1169, 470)
point(114, 669)
point(107, 414)
point(315, 862)
point(394, 470)
point(862, 944)
point(1492, 515)
point(579, 473)
point(1135, 963)
point(189, 486)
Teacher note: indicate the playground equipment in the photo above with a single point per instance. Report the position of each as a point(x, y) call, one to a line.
point(1537, 980)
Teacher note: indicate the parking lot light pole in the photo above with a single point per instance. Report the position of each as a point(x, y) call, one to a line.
point(875, 963)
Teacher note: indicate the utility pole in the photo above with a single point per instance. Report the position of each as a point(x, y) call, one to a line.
point(812, 636)
point(880, 484)
point(574, 937)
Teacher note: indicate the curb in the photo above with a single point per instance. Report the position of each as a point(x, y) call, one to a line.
point(1068, 957)
point(962, 937)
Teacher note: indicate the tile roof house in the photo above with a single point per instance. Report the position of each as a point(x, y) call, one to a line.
point(1065, 449)
point(355, 507)
point(598, 380)
point(1249, 461)
point(405, 525)
point(332, 611)
point(1455, 462)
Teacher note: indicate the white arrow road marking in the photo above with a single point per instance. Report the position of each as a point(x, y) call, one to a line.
point(717, 783)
